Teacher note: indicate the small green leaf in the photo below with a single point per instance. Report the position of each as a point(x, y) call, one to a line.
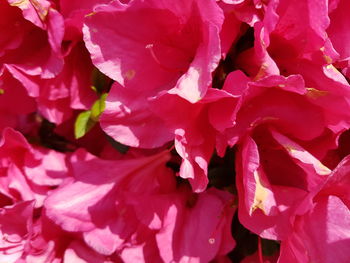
point(83, 124)
point(2, 91)
point(98, 107)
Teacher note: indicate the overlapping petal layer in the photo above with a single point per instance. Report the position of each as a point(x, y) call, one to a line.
point(132, 130)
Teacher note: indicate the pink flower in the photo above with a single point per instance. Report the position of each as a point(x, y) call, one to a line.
point(15, 224)
point(275, 101)
point(74, 12)
point(175, 46)
point(321, 233)
point(199, 133)
point(99, 206)
point(231, 29)
point(25, 238)
point(310, 54)
point(337, 30)
point(28, 173)
point(69, 90)
point(205, 218)
point(187, 39)
point(134, 209)
point(69, 86)
point(177, 219)
point(77, 251)
point(31, 35)
point(275, 128)
point(339, 35)
point(247, 11)
point(13, 93)
point(265, 203)
point(136, 120)
point(127, 118)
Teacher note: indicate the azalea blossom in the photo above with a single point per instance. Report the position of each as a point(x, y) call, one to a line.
point(174, 131)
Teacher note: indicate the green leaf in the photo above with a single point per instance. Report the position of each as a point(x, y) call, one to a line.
point(2, 91)
point(98, 107)
point(83, 124)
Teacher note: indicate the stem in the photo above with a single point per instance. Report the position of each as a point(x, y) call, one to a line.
point(261, 258)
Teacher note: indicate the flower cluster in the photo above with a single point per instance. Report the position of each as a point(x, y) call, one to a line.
point(174, 131)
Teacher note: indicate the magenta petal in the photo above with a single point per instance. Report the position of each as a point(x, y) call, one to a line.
point(15, 229)
point(338, 29)
point(204, 218)
point(97, 205)
point(104, 241)
point(46, 29)
point(265, 196)
point(197, 134)
point(74, 215)
point(321, 234)
point(301, 155)
point(314, 14)
point(128, 119)
point(195, 162)
point(49, 169)
point(179, 45)
point(77, 252)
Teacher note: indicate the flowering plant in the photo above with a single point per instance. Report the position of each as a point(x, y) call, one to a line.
point(174, 131)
